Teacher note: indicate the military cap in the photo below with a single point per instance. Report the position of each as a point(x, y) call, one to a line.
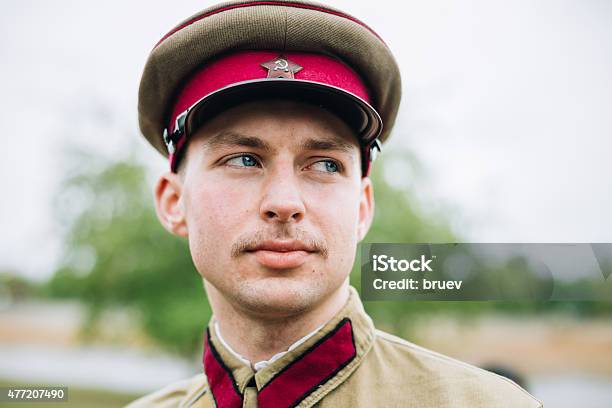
point(247, 49)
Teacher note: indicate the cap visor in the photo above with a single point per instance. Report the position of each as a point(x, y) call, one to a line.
point(354, 111)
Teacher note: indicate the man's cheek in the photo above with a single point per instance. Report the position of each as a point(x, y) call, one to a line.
point(217, 218)
point(343, 219)
point(203, 216)
point(208, 206)
point(340, 232)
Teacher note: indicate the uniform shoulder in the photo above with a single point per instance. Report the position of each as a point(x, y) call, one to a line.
point(174, 395)
point(429, 366)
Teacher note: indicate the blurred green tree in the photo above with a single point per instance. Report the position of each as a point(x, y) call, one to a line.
point(117, 253)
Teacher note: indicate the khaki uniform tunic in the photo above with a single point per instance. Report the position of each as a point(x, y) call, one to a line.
point(347, 363)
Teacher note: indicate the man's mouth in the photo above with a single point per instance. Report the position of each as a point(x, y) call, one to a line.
point(282, 254)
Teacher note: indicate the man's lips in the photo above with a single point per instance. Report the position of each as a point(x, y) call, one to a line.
point(281, 254)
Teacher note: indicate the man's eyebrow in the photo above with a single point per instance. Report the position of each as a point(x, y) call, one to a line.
point(230, 138)
point(328, 144)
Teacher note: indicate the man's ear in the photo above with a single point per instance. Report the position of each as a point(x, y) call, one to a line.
point(366, 208)
point(168, 204)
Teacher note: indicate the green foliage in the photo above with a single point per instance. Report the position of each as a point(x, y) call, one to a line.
point(117, 253)
point(399, 216)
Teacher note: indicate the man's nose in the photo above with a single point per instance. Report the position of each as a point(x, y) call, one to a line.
point(282, 201)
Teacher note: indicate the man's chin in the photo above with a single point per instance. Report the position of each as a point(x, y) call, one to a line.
point(278, 296)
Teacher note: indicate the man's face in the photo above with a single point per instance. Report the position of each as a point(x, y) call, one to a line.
point(273, 204)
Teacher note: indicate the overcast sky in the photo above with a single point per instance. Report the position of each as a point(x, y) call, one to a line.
point(507, 105)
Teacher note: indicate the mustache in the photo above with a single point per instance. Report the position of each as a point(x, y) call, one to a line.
point(251, 240)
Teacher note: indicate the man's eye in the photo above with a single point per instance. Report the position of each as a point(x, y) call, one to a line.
point(328, 166)
point(244, 160)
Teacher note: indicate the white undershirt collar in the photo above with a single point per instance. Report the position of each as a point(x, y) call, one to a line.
point(262, 364)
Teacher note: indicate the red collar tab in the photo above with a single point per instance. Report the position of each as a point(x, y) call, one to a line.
point(301, 377)
point(224, 389)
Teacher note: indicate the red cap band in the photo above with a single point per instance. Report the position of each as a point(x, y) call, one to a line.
point(232, 69)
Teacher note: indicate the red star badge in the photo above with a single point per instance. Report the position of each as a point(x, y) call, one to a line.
point(281, 67)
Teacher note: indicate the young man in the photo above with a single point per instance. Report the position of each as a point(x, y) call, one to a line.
point(270, 113)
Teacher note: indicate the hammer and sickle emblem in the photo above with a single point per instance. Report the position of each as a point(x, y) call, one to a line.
point(281, 67)
point(281, 64)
